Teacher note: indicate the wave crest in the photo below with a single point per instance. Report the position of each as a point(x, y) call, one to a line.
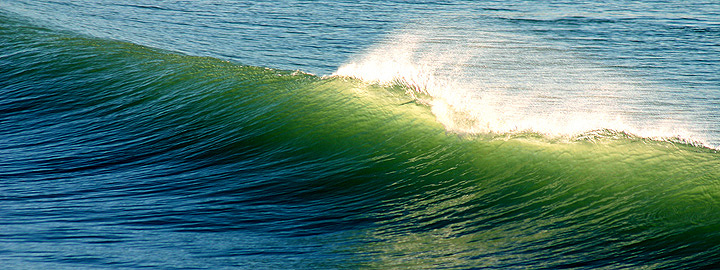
point(485, 82)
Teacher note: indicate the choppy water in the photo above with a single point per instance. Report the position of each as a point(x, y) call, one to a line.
point(221, 134)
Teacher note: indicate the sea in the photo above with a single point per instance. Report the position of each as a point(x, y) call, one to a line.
point(355, 134)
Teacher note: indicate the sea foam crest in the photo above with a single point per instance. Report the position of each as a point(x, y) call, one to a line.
point(487, 82)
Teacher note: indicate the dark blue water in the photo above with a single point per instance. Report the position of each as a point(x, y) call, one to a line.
point(336, 135)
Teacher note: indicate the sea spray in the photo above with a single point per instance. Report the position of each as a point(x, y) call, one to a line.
point(487, 82)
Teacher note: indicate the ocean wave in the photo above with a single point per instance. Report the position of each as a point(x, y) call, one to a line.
point(141, 139)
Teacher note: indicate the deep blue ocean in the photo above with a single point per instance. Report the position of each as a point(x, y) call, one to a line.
point(359, 134)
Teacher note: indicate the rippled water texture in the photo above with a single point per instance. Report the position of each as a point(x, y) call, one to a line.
point(353, 135)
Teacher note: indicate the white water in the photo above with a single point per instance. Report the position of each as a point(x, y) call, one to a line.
point(490, 82)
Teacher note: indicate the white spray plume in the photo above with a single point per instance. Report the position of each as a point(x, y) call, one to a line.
point(488, 82)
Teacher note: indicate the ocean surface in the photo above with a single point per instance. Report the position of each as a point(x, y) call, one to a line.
point(359, 134)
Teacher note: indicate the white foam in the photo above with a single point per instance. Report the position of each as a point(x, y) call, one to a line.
point(488, 82)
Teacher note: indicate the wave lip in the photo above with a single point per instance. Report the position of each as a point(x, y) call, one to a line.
point(493, 85)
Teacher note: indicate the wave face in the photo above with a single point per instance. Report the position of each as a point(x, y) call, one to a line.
point(116, 155)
